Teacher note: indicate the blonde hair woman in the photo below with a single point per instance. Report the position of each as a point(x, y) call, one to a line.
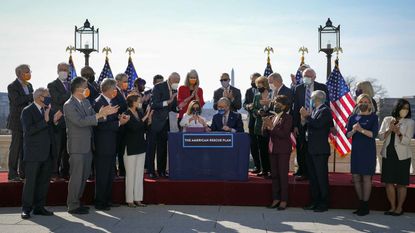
point(363, 127)
point(365, 87)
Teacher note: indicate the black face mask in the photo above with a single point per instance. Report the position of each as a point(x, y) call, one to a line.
point(261, 89)
point(253, 85)
point(196, 111)
point(363, 107)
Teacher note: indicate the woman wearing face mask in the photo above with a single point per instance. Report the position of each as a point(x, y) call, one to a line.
point(136, 146)
point(192, 117)
point(188, 92)
point(261, 105)
point(279, 128)
point(397, 131)
point(363, 127)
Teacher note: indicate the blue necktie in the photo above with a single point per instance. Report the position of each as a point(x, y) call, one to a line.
point(307, 97)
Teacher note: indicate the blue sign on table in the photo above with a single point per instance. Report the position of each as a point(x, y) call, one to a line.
point(209, 140)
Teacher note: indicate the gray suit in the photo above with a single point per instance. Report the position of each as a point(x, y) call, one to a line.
point(79, 118)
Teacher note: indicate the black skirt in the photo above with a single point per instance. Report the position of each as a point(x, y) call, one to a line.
point(395, 171)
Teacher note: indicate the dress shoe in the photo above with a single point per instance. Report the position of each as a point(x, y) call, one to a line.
point(25, 214)
point(84, 207)
point(388, 212)
point(282, 206)
point(152, 176)
point(103, 208)
point(15, 179)
point(310, 207)
point(397, 214)
point(78, 210)
point(256, 171)
point(301, 178)
point(42, 211)
point(320, 209)
point(164, 174)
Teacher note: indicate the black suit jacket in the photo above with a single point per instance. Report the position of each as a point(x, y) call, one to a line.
point(234, 122)
point(161, 113)
point(17, 101)
point(299, 99)
point(134, 131)
point(318, 127)
point(59, 96)
point(121, 101)
point(236, 104)
point(94, 92)
point(105, 135)
point(37, 135)
point(287, 92)
point(249, 99)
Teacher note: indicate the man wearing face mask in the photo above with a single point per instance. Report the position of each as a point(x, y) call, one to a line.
point(105, 134)
point(248, 106)
point(20, 95)
point(302, 98)
point(163, 101)
point(278, 88)
point(121, 101)
point(94, 91)
point(228, 91)
point(318, 122)
point(79, 119)
point(37, 122)
point(225, 119)
point(60, 92)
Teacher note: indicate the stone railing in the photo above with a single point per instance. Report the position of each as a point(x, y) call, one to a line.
point(342, 163)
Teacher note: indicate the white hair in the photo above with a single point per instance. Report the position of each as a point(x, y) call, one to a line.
point(319, 95)
point(309, 69)
point(38, 92)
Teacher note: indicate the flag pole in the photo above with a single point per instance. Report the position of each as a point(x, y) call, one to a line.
point(336, 65)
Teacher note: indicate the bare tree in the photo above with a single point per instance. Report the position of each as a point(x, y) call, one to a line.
point(378, 88)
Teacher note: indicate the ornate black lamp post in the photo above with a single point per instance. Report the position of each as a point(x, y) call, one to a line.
point(328, 39)
point(86, 40)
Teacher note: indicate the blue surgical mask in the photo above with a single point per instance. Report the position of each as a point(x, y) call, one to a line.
point(47, 100)
point(221, 111)
point(312, 103)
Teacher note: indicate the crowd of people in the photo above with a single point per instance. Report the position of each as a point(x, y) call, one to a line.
point(79, 129)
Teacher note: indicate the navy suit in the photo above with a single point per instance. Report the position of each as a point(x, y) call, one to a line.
point(318, 128)
point(105, 136)
point(38, 152)
point(234, 122)
point(236, 104)
point(298, 102)
point(121, 101)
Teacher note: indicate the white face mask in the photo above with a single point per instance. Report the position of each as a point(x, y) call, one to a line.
point(307, 80)
point(174, 86)
point(63, 75)
point(403, 113)
point(140, 105)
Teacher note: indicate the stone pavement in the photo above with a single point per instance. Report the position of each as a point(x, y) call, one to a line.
point(183, 219)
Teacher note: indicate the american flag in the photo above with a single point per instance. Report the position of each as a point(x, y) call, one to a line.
point(132, 74)
point(106, 71)
point(268, 70)
point(341, 104)
point(298, 77)
point(72, 71)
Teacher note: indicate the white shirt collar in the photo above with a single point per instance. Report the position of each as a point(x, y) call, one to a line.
point(107, 99)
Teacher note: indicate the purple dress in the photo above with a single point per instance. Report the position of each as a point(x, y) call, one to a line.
point(363, 156)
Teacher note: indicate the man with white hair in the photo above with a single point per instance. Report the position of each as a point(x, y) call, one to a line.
point(38, 153)
point(20, 95)
point(302, 98)
point(60, 92)
point(318, 123)
point(278, 88)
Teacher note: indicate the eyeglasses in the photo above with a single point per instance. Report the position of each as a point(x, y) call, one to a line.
point(224, 80)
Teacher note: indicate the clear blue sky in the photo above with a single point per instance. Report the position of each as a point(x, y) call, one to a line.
point(212, 37)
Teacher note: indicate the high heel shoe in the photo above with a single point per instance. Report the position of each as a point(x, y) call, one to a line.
point(282, 207)
point(276, 205)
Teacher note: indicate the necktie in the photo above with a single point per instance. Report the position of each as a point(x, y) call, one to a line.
point(66, 85)
point(42, 111)
point(224, 121)
point(307, 97)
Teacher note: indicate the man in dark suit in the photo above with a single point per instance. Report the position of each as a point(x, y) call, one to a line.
point(60, 92)
point(163, 101)
point(278, 88)
point(318, 122)
point(225, 119)
point(248, 106)
point(79, 119)
point(302, 97)
point(120, 100)
point(38, 152)
point(105, 135)
point(228, 91)
point(88, 73)
point(20, 95)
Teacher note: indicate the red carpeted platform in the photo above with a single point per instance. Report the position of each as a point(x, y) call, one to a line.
point(255, 192)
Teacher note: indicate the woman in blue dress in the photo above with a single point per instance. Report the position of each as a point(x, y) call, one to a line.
point(363, 127)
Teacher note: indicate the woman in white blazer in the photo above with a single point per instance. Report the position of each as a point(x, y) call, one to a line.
point(397, 131)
